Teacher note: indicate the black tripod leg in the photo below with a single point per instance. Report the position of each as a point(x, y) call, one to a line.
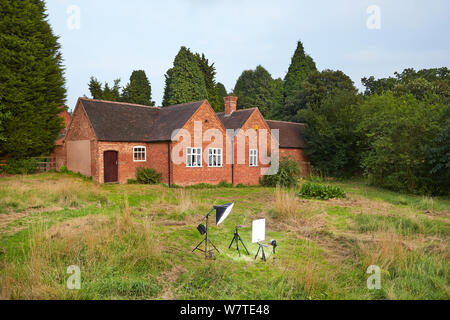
point(263, 255)
point(234, 238)
point(198, 245)
point(237, 245)
point(257, 252)
point(213, 245)
point(243, 245)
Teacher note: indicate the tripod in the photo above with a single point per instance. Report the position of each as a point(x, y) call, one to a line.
point(261, 247)
point(206, 240)
point(237, 238)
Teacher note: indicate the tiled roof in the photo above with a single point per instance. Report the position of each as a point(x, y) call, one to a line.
point(117, 121)
point(236, 119)
point(291, 133)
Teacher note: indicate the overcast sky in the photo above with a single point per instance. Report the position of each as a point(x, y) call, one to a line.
point(115, 37)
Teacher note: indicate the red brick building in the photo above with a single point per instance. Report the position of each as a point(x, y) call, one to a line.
point(187, 143)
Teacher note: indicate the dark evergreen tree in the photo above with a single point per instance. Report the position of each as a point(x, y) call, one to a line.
point(221, 92)
point(31, 79)
point(209, 73)
point(185, 81)
point(106, 92)
point(95, 87)
point(256, 88)
point(138, 90)
point(331, 133)
point(320, 85)
point(301, 67)
point(112, 93)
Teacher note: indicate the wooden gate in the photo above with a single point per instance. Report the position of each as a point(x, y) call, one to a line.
point(111, 167)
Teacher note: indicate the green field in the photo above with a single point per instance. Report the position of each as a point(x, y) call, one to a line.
point(135, 242)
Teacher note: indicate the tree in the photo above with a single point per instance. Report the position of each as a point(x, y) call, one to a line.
point(422, 84)
point(403, 142)
point(300, 68)
point(185, 81)
point(209, 74)
point(95, 87)
point(331, 133)
point(256, 88)
point(31, 80)
point(320, 85)
point(221, 92)
point(138, 90)
point(106, 92)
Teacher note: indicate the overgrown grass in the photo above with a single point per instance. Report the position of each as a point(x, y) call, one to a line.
point(135, 242)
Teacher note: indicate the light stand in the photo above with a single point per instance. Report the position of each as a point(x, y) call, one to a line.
point(206, 240)
point(237, 238)
point(261, 247)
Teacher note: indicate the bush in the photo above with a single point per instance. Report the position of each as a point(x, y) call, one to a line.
point(63, 169)
point(287, 175)
point(148, 176)
point(318, 191)
point(21, 166)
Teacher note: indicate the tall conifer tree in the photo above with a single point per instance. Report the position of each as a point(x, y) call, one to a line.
point(256, 88)
point(185, 81)
point(138, 90)
point(302, 65)
point(31, 79)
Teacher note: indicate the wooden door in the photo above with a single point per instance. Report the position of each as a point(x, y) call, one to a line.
point(111, 167)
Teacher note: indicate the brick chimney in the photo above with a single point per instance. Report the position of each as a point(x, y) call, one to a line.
point(230, 104)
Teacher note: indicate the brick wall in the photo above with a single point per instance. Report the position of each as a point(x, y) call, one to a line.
point(299, 156)
point(243, 173)
point(182, 175)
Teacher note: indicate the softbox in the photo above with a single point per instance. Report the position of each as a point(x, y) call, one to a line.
point(223, 211)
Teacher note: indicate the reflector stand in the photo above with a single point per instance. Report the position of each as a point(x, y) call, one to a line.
point(237, 238)
point(261, 247)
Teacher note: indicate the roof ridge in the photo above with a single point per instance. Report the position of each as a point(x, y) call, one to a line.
point(239, 110)
point(182, 104)
point(118, 102)
point(286, 121)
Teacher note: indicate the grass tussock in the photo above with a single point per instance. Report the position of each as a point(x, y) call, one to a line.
point(286, 203)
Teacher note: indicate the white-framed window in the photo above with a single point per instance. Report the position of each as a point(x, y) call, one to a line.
point(139, 154)
point(214, 157)
point(253, 157)
point(193, 157)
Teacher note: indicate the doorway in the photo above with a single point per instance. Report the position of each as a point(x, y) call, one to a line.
point(111, 166)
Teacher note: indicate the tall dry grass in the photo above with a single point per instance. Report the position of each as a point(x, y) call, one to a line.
point(94, 243)
point(38, 192)
point(286, 203)
point(386, 250)
point(184, 200)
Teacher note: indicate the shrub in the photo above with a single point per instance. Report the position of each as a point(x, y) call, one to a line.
point(287, 175)
point(318, 191)
point(224, 184)
point(64, 169)
point(148, 176)
point(21, 166)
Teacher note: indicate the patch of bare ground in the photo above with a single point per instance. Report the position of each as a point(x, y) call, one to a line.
point(7, 219)
point(167, 278)
point(76, 226)
point(361, 204)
